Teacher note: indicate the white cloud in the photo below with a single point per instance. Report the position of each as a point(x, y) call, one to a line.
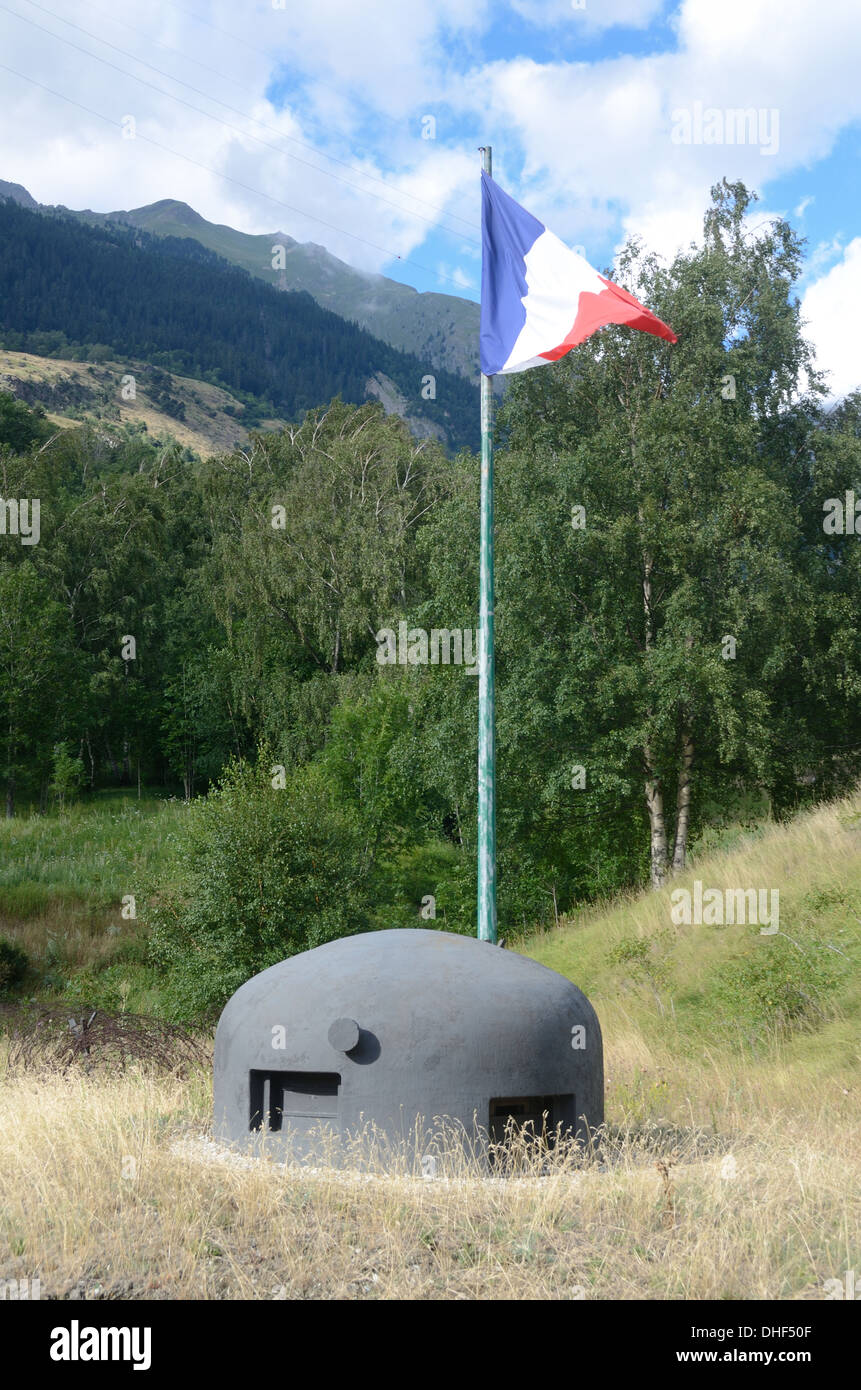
point(457, 275)
point(603, 130)
point(63, 152)
point(392, 53)
point(585, 145)
point(823, 254)
point(665, 229)
point(832, 326)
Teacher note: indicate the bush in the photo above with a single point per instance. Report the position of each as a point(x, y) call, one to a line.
point(263, 873)
point(13, 966)
point(68, 775)
point(20, 426)
point(776, 986)
point(435, 870)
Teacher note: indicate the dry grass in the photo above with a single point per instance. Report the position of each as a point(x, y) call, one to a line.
point(727, 1170)
point(109, 1189)
point(206, 428)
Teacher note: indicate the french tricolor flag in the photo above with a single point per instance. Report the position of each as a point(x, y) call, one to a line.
point(539, 299)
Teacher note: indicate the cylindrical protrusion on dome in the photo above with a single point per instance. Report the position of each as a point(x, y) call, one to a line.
point(344, 1034)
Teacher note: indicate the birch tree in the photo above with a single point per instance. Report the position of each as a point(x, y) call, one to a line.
point(668, 620)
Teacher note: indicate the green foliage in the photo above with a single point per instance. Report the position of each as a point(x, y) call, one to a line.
point(20, 425)
point(36, 661)
point(645, 957)
point(255, 582)
point(632, 948)
point(68, 775)
point(823, 899)
point(123, 982)
point(263, 872)
point(703, 519)
point(777, 986)
point(436, 869)
point(13, 966)
point(369, 759)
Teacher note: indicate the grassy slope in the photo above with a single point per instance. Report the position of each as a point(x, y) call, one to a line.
point(670, 991)
point(95, 392)
point(71, 392)
point(731, 1162)
point(62, 882)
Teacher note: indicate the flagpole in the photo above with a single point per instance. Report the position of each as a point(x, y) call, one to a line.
point(486, 681)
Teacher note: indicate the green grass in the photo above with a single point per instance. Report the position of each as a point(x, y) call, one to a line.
point(696, 991)
point(63, 878)
point(668, 988)
point(89, 854)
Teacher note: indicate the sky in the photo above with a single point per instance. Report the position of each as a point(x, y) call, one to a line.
point(356, 124)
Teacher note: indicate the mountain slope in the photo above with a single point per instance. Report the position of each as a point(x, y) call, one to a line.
point(441, 330)
point(17, 194)
point(200, 416)
point(174, 303)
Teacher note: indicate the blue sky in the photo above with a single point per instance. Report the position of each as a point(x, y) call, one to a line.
point(309, 119)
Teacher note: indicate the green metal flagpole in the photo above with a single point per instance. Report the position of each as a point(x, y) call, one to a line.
point(486, 683)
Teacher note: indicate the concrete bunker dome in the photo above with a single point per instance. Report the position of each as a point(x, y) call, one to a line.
point(400, 1028)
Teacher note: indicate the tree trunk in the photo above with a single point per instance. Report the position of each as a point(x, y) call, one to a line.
point(659, 852)
point(683, 804)
point(10, 778)
point(92, 762)
point(658, 846)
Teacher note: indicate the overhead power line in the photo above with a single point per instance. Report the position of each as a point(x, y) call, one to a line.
point(327, 173)
point(261, 52)
point(228, 178)
point(294, 139)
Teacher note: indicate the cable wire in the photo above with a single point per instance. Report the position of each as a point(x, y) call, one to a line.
point(225, 77)
point(327, 173)
point(248, 188)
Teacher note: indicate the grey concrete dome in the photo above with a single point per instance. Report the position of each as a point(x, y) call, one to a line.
point(400, 1028)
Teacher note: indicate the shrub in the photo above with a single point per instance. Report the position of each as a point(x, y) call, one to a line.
point(260, 873)
point(20, 426)
point(68, 775)
point(437, 869)
point(777, 986)
point(13, 966)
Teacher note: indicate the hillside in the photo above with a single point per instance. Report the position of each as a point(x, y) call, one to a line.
point(440, 329)
point(70, 392)
point(664, 989)
point(705, 992)
point(116, 292)
point(729, 1167)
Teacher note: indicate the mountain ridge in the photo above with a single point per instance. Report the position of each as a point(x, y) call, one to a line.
point(98, 289)
point(439, 329)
